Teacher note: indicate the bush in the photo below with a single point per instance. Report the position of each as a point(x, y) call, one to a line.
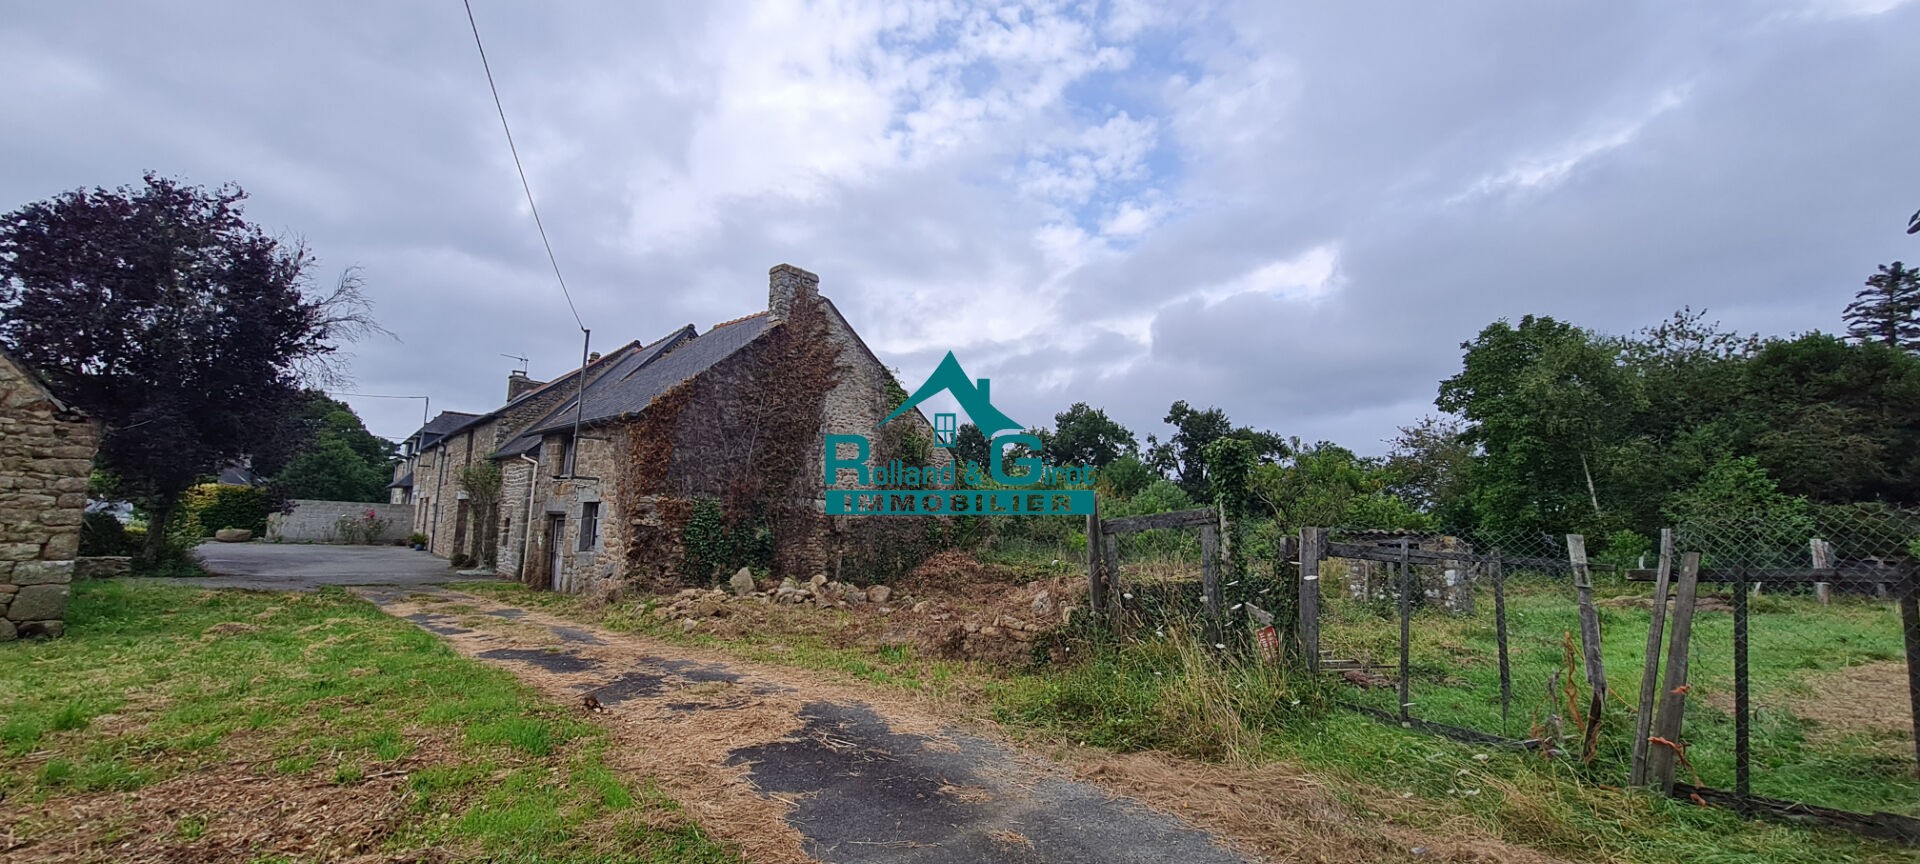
point(213, 506)
point(102, 534)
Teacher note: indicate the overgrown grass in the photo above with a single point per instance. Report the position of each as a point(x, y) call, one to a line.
point(1165, 693)
point(1793, 642)
point(156, 681)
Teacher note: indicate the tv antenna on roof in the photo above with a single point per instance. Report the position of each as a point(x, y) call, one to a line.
point(523, 361)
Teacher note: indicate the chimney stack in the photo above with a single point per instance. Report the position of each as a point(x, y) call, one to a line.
point(785, 283)
point(518, 383)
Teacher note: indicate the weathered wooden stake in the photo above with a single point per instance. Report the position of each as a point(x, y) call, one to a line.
point(1096, 579)
point(1822, 559)
point(1313, 546)
point(1650, 674)
point(1210, 581)
point(1589, 643)
point(1111, 548)
point(1673, 694)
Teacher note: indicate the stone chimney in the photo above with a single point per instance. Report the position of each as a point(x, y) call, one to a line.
point(518, 383)
point(784, 283)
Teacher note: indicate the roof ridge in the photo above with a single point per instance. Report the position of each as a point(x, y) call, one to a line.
point(736, 320)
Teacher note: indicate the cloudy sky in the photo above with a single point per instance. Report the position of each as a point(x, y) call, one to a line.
point(1294, 211)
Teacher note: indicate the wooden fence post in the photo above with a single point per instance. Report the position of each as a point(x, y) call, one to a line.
point(1210, 582)
point(1096, 579)
point(1313, 547)
point(1650, 674)
point(1110, 548)
point(1822, 559)
point(1661, 758)
point(1589, 643)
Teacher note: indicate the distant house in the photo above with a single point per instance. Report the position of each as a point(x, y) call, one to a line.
point(400, 491)
point(46, 456)
point(600, 481)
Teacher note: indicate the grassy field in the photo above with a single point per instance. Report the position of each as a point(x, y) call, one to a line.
point(1162, 695)
point(1829, 685)
point(204, 725)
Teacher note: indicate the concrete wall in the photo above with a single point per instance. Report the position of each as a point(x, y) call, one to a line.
point(316, 521)
point(46, 453)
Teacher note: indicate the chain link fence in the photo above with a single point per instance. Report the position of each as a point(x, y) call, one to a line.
point(1486, 624)
point(1799, 678)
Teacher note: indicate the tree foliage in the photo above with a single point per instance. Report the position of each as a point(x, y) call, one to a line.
point(332, 455)
point(1887, 310)
point(1083, 435)
point(161, 312)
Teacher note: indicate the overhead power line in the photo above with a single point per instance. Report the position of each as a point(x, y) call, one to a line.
point(524, 186)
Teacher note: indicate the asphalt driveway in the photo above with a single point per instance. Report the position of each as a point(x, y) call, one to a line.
point(304, 567)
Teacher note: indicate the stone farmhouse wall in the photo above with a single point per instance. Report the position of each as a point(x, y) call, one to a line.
point(315, 521)
point(46, 454)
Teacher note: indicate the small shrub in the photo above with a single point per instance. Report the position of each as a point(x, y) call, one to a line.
point(102, 534)
point(213, 506)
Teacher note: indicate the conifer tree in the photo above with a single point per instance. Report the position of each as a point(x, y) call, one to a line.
point(1888, 309)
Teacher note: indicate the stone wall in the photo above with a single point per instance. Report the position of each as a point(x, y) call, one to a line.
point(46, 453)
point(439, 510)
point(598, 465)
point(516, 476)
point(315, 521)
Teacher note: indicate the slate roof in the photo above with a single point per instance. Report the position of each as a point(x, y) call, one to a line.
point(568, 380)
point(402, 483)
point(623, 370)
point(630, 390)
point(439, 426)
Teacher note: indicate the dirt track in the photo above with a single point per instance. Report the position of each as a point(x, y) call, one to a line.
point(794, 769)
point(794, 766)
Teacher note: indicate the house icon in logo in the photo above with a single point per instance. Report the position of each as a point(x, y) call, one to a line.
point(974, 398)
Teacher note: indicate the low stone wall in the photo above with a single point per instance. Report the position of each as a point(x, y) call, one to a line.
point(318, 521)
point(46, 452)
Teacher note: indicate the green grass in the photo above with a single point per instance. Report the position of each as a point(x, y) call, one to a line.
point(1793, 642)
point(158, 681)
point(1156, 695)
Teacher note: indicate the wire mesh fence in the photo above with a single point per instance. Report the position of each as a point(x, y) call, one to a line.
point(1800, 685)
point(1485, 624)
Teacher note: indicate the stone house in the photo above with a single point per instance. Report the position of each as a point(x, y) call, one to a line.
point(46, 455)
point(400, 491)
point(443, 510)
point(599, 487)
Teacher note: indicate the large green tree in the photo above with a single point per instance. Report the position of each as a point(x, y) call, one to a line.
point(1184, 454)
point(161, 312)
point(1548, 405)
point(336, 458)
point(1887, 310)
point(1083, 435)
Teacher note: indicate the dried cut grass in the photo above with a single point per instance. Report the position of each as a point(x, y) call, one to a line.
point(1277, 811)
point(232, 814)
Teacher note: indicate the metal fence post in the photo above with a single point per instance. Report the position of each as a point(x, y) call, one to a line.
point(1406, 630)
point(1742, 686)
point(1500, 636)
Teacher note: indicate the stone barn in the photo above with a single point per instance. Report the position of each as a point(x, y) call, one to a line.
point(46, 455)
